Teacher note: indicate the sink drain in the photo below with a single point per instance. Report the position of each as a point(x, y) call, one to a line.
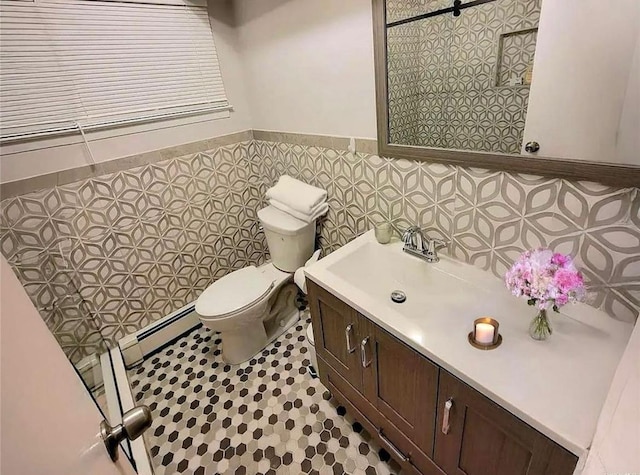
point(398, 296)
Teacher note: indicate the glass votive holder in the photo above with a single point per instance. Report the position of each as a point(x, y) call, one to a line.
point(383, 232)
point(485, 334)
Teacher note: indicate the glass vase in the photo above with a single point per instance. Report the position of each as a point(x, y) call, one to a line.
point(540, 328)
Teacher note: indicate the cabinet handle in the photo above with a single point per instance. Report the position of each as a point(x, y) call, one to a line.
point(347, 335)
point(403, 458)
point(363, 353)
point(445, 420)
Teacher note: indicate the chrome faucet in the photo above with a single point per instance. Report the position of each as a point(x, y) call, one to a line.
point(419, 245)
point(413, 239)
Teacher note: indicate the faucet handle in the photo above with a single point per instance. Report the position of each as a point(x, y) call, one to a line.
point(432, 247)
point(407, 236)
point(438, 244)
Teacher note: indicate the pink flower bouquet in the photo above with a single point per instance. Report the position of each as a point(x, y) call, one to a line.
point(546, 279)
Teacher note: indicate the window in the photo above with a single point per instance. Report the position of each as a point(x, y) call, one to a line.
point(67, 64)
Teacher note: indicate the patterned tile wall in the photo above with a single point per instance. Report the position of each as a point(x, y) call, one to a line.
point(106, 256)
point(400, 9)
point(488, 217)
point(517, 51)
point(404, 78)
point(442, 77)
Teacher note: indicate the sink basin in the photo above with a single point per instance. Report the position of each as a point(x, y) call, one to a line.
point(557, 386)
point(379, 270)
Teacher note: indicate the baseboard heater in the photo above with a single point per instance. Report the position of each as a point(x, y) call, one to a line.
point(151, 339)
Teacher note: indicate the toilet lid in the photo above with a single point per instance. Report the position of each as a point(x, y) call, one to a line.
point(279, 221)
point(233, 292)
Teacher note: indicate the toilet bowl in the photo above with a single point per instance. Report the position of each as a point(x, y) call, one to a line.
point(251, 307)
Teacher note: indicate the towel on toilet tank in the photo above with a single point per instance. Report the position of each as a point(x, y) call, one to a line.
point(316, 212)
point(297, 195)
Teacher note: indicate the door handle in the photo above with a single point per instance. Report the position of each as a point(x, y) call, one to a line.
point(134, 423)
point(403, 458)
point(532, 147)
point(363, 353)
point(347, 335)
point(445, 419)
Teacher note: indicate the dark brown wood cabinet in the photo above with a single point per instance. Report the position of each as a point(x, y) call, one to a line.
point(337, 334)
point(475, 436)
point(401, 398)
point(402, 385)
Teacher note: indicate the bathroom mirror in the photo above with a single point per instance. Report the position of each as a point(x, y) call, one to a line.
point(549, 87)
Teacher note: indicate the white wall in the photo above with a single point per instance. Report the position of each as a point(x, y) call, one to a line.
point(628, 144)
point(290, 65)
point(309, 65)
point(580, 78)
point(63, 153)
point(616, 445)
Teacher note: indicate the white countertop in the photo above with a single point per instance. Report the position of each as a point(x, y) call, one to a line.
point(557, 386)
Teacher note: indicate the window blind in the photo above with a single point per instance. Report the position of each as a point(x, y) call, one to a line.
point(66, 64)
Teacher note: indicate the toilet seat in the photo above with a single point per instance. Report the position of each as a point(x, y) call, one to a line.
point(233, 293)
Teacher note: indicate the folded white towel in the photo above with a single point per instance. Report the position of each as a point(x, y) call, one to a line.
point(316, 212)
point(297, 195)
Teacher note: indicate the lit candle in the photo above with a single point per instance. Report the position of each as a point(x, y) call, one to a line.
point(484, 333)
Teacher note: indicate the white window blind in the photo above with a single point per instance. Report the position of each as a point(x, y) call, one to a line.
point(94, 64)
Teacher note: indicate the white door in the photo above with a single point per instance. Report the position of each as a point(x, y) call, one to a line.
point(49, 424)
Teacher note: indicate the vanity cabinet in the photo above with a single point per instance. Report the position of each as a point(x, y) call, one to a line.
point(391, 386)
point(428, 420)
point(402, 385)
point(340, 329)
point(475, 436)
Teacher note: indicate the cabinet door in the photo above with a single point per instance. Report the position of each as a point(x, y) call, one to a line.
point(336, 332)
point(403, 385)
point(475, 436)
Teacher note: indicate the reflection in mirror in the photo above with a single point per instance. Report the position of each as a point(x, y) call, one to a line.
point(515, 77)
point(585, 96)
point(460, 82)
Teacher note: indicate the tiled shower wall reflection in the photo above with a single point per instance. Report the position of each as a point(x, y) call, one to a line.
point(104, 257)
point(449, 77)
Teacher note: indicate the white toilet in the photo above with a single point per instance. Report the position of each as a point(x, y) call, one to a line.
point(252, 306)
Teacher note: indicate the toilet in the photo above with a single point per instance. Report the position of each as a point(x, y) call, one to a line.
point(253, 306)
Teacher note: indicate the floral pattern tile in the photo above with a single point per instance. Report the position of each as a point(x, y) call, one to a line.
point(106, 256)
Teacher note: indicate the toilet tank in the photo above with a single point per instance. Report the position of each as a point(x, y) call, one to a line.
point(291, 241)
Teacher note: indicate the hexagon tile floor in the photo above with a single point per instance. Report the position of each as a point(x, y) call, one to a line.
point(266, 416)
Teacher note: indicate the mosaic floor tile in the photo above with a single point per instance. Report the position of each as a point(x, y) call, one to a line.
point(266, 416)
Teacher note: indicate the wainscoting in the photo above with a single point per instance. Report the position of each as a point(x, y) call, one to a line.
point(489, 217)
point(104, 256)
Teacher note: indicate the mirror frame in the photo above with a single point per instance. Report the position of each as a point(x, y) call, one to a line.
point(615, 174)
